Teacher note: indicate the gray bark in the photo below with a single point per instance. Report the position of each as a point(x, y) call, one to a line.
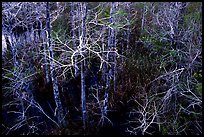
point(83, 63)
point(14, 52)
point(79, 18)
point(109, 75)
point(82, 17)
point(115, 47)
point(60, 112)
point(46, 62)
point(17, 75)
point(83, 97)
point(103, 55)
point(180, 20)
point(74, 37)
point(128, 28)
point(4, 45)
point(144, 10)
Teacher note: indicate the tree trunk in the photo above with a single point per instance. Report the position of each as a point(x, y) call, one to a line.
point(115, 47)
point(59, 108)
point(74, 37)
point(103, 55)
point(82, 17)
point(144, 10)
point(83, 96)
point(43, 35)
point(128, 28)
point(109, 74)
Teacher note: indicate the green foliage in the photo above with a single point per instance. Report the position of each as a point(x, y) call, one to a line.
point(9, 74)
point(136, 75)
point(106, 13)
point(139, 5)
point(28, 72)
point(197, 75)
point(146, 38)
point(121, 12)
point(195, 16)
point(60, 26)
point(164, 130)
point(173, 53)
point(199, 89)
point(141, 68)
point(192, 14)
point(156, 41)
point(117, 25)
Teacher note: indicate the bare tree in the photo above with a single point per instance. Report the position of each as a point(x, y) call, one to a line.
point(82, 45)
point(160, 81)
point(128, 29)
point(109, 75)
point(73, 18)
point(59, 109)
